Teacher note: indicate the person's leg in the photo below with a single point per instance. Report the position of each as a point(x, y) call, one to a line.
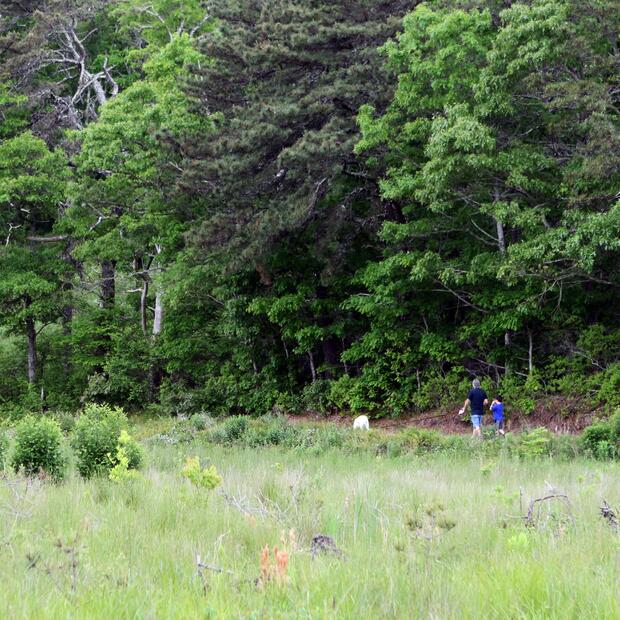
point(476, 421)
point(502, 432)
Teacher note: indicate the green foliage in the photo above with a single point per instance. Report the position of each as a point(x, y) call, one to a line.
point(38, 448)
point(66, 421)
point(278, 431)
point(4, 447)
point(609, 390)
point(233, 429)
point(595, 435)
point(127, 458)
point(267, 431)
point(204, 478)
point(534, 443)
point(416, 195)
point(601, 439)
point(200, 421)
point(614, 427)
point(316, 396)
point(96, 437)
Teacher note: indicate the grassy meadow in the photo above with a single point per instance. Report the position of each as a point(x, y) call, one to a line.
point(435, 536)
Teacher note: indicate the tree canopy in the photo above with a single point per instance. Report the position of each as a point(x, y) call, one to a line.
point(247, 206)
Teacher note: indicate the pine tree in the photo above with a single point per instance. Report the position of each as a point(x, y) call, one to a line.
point(286, 79)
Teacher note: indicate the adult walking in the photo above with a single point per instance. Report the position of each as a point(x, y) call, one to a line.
point(477, 399)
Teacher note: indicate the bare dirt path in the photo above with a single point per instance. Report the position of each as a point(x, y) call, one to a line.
point(560, 414)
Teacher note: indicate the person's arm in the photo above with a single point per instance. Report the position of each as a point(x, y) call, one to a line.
point(465, 405)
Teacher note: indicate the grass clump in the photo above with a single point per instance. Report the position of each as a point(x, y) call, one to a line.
point(38, 448)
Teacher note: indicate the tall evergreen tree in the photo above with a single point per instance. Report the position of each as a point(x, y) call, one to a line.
point(286, 79)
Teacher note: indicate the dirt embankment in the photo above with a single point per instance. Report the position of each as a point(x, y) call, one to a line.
point(560, 414)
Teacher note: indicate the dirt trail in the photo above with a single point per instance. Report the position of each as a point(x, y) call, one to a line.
point(560, 414)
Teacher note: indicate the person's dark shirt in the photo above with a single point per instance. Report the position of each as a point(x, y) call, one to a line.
point(476, 397)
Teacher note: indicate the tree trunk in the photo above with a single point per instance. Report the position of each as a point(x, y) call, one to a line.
point(501, 238)
point(158, 317)
point(31, 333)
point(155, 371)
point(143, 298)
point(312, 368)
point(331, 355)
point(108, 284)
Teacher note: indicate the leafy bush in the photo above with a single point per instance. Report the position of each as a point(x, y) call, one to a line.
point(341, 392)
point(200, 422)
point(206, 478)
point(96, 435)
point(609, 391)
point(425, 440)
point(593, 435)
point(534, 443)
point(268, 431)
point(316, 396)
point(179, 400)
point(234, 428)
point(614, 428)
point(38, 447)
point(127, 451)
point(66, 421)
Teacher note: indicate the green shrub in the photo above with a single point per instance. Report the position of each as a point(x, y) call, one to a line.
point(200, 422)
point(234, 428)
point(316, 396)
point(204, 478)
point(268, 431)
point(66, 421)
point(38, 447)
point(341, 391)
point(609, 391)
point(604, 451)
point(287, 402)
point(96, 437)
point(593, 435)
point(127, 452)
point(424, 440)
point(614, 428)
point(534, 443)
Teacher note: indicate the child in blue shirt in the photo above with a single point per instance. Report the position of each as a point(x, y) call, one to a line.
point(497, 407)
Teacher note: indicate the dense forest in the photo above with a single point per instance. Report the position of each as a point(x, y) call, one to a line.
point(238, 206)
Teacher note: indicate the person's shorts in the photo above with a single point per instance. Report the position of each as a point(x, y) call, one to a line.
point(476, 420)
point(499, 424)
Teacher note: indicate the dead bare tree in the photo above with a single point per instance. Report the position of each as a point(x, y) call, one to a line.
point(44, 52)
point(552, 508)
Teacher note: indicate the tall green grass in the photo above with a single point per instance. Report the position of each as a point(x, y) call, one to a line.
point(423, 536)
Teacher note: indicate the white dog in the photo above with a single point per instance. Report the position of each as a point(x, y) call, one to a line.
point(361, 422)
